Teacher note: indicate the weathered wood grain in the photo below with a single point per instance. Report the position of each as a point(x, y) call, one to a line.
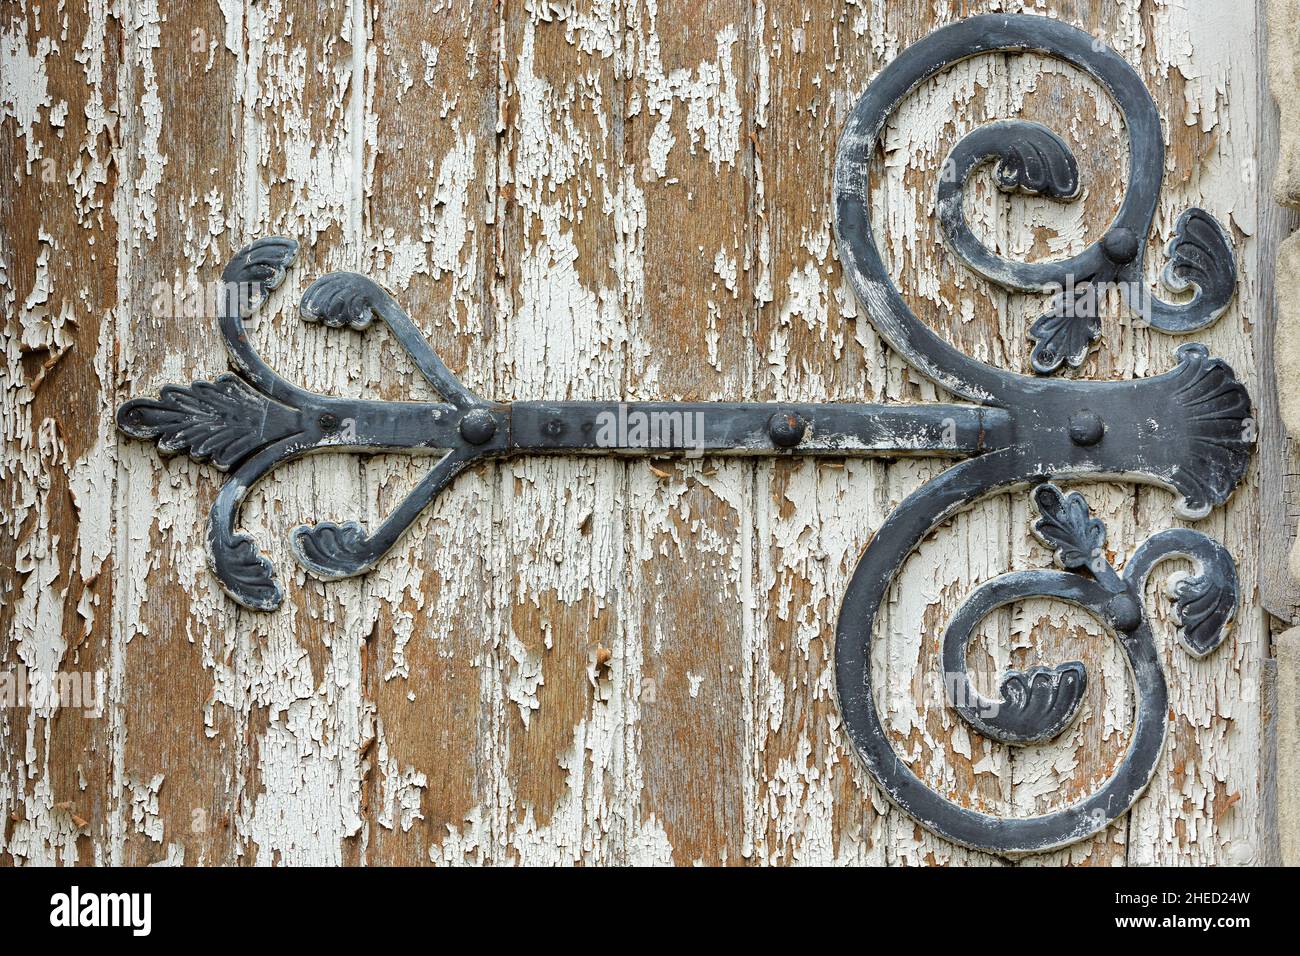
point(1203, 68)
point(429, 234)
point(560, 673)
point(690, 333)
point(812, 518)
point(1056, 774)
point(566, 660)
point(59, 250)
point(1279, 455)
point(969, 313)
point(297, 688)
point(172, 629)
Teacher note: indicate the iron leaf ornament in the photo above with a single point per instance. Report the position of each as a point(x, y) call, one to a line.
point(1189, 430)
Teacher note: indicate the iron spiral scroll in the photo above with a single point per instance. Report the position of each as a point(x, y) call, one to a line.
point(1189, 430)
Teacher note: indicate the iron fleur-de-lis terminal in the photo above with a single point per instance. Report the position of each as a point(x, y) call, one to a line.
point(1189, 430)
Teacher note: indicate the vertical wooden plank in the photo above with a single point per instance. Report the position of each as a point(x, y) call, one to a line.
point(813, 801)
point(429, 233)
point(971, 314)
point(58, 259)
point(249, 756)
point(1279, 453)
point(559, 688)
point(173, 740)
point(1060, 772)
point(689, 106)
point(298, 677)
point(1203, 67)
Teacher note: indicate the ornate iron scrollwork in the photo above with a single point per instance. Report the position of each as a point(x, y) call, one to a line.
point(1189, 430)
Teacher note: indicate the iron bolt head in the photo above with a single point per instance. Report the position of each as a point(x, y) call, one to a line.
point(478, 426)
point(329, 423)
point(1120, 245)
point(1124, 612)
point(1086, 427)
point(553, 428)
point(786, 429)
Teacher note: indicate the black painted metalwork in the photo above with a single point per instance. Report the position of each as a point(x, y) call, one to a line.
point(1189, 430)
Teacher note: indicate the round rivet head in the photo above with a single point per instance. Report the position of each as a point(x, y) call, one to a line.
point(1124, 612)
point(329, 423)
point(1086, 428)
point(553, 427)
point(1120, 245)
point(478, 426)
point(786, 429)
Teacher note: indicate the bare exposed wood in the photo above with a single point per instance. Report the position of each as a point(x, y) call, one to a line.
point(561, 717)
point(429, 233)
point(1278, 454)
point(58, 281)
point(1287, 738)
point(1280, 458)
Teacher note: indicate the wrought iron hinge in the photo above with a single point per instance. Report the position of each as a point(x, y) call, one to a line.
point(1189, 430)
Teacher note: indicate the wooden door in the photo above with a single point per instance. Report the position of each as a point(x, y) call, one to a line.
point(568, 659)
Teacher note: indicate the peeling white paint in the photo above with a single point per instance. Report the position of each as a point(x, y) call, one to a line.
point(24, 84)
